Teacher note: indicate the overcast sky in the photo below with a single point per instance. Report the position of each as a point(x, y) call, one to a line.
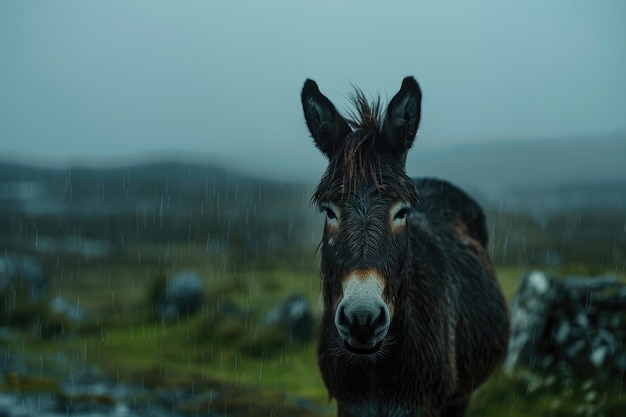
point(220, 80)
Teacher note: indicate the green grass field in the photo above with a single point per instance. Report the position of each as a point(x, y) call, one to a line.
point(122, 338)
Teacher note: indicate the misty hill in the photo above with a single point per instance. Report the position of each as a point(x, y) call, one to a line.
point(565, 196)
point(10, 171)
point(534, 173)
point(102, 210)
point(559, 200)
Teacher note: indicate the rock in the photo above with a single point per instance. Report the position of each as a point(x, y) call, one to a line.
point(576, 324)
point(183, 296)
point(72, 312)
point(25, 274)
point(294, 316)
point(61, 318)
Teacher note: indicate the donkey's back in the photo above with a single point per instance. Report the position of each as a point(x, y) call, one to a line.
point(456, 223)
point(441, 199)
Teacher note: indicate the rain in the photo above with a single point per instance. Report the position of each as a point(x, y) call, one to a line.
point(159, 252)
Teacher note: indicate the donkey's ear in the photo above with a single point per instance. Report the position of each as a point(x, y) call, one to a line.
point(403, 117)
point(325, 123)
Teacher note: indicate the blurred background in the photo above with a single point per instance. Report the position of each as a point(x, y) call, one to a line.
point(158, 246)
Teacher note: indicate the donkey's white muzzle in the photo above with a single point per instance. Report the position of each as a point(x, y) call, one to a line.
point(362, 317)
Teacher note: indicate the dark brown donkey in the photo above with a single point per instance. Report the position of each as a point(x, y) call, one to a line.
point(414, 318)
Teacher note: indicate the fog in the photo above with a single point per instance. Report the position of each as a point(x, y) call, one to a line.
point(110, 81)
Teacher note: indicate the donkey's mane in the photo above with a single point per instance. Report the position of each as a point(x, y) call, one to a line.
point(362, 155)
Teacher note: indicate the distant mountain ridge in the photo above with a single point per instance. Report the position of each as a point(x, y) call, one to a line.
point(531, 174)
point(99, 211)
point(505, 169)
point(156, 169)
point(532, 192)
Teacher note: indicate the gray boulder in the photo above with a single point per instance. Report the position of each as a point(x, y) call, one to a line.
point(577, 324)
point(72, 312)
point(182, 297)
point(294, 316)
point(24, 274)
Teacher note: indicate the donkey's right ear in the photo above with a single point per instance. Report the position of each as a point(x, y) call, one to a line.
point(326, 125)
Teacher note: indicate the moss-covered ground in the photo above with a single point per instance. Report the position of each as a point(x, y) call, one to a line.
point(123, 338)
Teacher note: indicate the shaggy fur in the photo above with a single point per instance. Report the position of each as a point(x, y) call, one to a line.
point(449, 320)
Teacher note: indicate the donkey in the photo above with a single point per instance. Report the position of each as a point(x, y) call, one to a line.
point(414, 318)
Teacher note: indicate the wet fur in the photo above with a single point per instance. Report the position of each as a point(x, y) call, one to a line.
point(449, 327)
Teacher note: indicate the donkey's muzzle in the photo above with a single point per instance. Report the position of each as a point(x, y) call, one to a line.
point(362, 327)
point(362, 317)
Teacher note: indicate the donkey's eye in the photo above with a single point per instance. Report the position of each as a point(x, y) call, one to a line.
point(332, 213)
point(398, 215)
point(401, 214)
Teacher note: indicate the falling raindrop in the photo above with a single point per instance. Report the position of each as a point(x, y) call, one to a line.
point(161, 213)
point(290, 227)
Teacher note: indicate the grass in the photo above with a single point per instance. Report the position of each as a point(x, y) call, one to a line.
point(123, 339)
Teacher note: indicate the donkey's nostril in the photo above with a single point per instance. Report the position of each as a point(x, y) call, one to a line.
point(381, 321)
point(342, 318)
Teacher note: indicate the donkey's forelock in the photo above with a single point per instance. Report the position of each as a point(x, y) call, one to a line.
point(365, 115)
point(359, 154)
point(373, 175)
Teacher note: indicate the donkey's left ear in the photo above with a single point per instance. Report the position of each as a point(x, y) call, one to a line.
point(326, 125)
point(403, 117)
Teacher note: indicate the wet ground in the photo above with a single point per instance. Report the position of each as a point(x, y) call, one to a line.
point(88, 393)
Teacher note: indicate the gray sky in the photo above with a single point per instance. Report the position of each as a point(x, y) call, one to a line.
point(220, 81)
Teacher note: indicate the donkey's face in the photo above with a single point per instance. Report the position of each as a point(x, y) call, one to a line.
point(366, 197)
